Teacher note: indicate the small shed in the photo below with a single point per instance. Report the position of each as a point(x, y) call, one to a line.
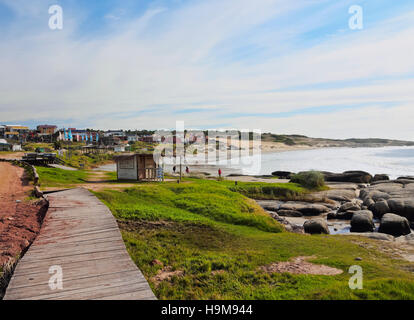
point(4, 145)
point(139, 166)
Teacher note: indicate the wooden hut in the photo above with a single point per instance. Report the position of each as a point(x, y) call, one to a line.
point(140, 167)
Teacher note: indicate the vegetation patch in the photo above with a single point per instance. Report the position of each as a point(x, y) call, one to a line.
point(313, 180)
point(211, 242)
point(54, 177)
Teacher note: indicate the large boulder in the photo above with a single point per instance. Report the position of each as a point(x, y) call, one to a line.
point(347, 215)
point(402, 207)
point(380, 208)
point(394, 225)
point(283, 174)
point(362, 221)
point(349, 176)
point(379, 195)
point(380, 177)
point(314, 210)
point(307, 209)
point(316, 226)
point(289, 213)
point(349, 206)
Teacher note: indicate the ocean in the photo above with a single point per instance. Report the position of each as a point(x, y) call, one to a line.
point(394, 161)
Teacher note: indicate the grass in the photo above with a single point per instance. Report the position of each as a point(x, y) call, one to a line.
point(86, 161)
point(54, 177)
point(219, 238)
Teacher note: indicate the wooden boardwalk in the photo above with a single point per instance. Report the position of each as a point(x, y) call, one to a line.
point(81, 236)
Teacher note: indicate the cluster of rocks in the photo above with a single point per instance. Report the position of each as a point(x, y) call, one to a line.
point(358, 197)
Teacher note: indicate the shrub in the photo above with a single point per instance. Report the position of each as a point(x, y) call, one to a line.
point(309, 179)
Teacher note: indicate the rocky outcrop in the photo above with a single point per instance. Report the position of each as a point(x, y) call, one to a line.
point(348, 176)
point(362, 221)
point(316, 226)
point(289, 213)
point(349, 206)
point(402, 207)
point(394, 225)
point(283, 174)
point(380, 208)
point(380, 177)
point(306, 209)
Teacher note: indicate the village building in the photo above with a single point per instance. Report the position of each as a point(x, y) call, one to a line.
point(16, 132)
point(46, 129)
point(140, 167)
point(4, 145)
point(2, 131)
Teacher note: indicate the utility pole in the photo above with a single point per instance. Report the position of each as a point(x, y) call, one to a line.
point(181, 171)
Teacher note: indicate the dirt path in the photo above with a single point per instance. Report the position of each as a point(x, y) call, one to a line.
point(20, 219)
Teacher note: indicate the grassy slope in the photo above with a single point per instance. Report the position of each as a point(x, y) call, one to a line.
point(53, 177)
point(219, 239)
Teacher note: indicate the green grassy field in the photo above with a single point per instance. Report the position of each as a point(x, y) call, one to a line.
point(216, 240)
point(53, 177)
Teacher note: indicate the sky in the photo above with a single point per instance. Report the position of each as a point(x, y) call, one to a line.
point(281, 66)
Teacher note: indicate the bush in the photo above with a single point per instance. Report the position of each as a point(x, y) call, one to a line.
point(309, 179)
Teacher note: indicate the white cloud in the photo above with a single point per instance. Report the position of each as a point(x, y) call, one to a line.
point(173, 57)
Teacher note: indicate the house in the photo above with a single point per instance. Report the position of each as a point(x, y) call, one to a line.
point(140, 167)
point(4, 145)
point(2, 131)
point(16, 132)
point(46, 129)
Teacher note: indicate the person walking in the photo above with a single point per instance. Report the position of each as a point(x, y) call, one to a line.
point(174, 168)
point(219, 172)
point(187, 170)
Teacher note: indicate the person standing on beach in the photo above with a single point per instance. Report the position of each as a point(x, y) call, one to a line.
point(219, 172)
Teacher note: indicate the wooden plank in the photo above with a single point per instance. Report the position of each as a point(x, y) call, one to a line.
point(81, 236)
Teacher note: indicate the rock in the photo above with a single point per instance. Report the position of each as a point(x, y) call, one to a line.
point(406, 178)
point(402, 207)
point(308, 209)
point(371, 235)
point(270, 205)
point(380, 177)
point(394, 225)
point(347, 215)
point(156, 262)
point(380, 208)
point(349, 206)
point(316, 226)
point(362, 221)
point(314, 210)
point(331, 215)
point(379, 196)
point(289, 213)
point(349, 176)
point(282, 174)
point(368, 202)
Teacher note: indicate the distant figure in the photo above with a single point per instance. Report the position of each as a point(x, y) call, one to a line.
point(219, 172)
point(174, 168)
point(187, 170)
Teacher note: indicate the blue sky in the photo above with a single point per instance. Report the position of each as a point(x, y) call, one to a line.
point(275, 65)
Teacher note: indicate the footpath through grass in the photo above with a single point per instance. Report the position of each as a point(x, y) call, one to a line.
point(212, 241)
